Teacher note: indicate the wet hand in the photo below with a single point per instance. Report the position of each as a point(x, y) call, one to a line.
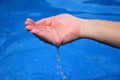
point(58, 29)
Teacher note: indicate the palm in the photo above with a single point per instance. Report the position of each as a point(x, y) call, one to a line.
point(56, 30)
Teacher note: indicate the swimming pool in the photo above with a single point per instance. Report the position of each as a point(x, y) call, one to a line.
point(24, 57)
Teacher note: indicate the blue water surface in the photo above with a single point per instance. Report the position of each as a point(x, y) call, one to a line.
point(25, 57)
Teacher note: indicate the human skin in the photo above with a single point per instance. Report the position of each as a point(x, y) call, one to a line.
point(64, 28)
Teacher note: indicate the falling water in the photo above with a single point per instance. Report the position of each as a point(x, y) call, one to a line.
point(59, 67)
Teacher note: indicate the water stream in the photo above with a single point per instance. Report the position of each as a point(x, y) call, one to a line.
point(59, 67)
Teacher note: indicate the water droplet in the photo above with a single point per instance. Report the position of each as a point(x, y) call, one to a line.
point(58, 67)
point(64, 77)
point(58, 57)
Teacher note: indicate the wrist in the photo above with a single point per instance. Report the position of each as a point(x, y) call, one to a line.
point(86, 28)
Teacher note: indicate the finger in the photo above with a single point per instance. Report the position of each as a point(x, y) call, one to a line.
point(41, 22)
point(45, 21)
point(29, 27)
point(29, 22)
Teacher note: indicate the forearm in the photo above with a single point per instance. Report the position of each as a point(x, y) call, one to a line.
point(103, 31)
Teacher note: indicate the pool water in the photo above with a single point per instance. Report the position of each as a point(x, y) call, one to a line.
point(25, 57)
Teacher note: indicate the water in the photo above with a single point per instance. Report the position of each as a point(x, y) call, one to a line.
point(59, 67)
point(25, 57)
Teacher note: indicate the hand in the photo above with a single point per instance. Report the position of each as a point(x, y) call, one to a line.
point(57, 29)
point(63, 28)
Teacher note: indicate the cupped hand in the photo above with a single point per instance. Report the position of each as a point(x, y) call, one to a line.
point(57, 29)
